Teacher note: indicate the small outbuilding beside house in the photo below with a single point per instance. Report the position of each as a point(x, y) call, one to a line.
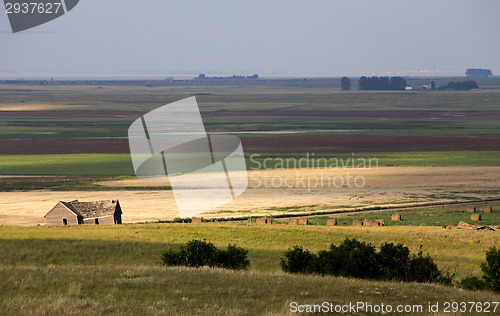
point(77, 213)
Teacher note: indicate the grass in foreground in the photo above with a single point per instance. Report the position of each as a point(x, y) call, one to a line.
point(89, 270)
point(153, 290)
point(143, 244)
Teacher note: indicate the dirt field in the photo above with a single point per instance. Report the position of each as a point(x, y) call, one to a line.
point(278, 191)
point(269, 144)
point(393, 114)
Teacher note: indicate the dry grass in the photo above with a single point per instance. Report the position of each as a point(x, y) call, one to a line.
point(118, 290)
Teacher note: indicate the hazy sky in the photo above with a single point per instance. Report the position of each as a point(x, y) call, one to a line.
point(245, 37)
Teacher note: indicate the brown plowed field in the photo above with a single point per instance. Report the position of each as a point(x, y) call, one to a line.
point(72, 113)
point(368, 143)
point(390, 114)
point(271, 144)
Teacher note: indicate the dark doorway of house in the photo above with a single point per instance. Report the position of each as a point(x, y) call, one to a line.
point(97, 221)
point(65, 221)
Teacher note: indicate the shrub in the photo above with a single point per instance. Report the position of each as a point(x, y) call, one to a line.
point(197, 253)
point(422, 269)
point(233, 258)
point(394, 261)
point(472, 283)
point(357, 259)
point(298, 260)
point(171, 258)
point(491, 269)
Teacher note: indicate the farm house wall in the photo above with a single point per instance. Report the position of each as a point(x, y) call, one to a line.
point(118, 216)
point(104, 220)
point(58, 214)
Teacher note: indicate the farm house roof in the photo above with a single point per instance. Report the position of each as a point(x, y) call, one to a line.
point(92, 209)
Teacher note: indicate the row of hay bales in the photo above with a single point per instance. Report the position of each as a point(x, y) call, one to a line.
point(368, 223)
point(475, 216)
point(305, 221)
point(473, 209)
point(294, 221)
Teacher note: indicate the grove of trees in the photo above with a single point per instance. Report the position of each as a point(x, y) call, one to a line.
point(382, 83)
point(460, 85)
point(478, 73)
point(345, 83)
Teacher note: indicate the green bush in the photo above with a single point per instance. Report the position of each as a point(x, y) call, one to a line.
point(357, 259)
point(394, 261)
point(472, 283)
point(197, 253)
point(233, 258)
point(298, 260)
point(491, 269)
point(423, 269)
point(351, 259)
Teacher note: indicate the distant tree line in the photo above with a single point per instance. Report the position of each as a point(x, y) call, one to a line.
point(233, 77)
point(478, 73)
point(382, 83)
point(460, 85)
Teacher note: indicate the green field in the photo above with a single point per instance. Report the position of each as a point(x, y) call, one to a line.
point(426, 216)
point(83, 128)
point(80, 171)
point(111, 270)
point(121, 164)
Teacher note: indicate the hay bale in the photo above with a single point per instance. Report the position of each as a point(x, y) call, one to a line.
point(269, 221)
point(303, 221)
point(261, 221)
point(487, 209)
point(357, 223)
point(475, 217)
point(381, 222)
point(293, 221)
point(196, 220)
point(471, 209)
point(396, 217)
point(331, 222)
point(369, 222)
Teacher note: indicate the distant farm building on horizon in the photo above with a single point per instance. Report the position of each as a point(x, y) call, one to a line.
point(77, 213)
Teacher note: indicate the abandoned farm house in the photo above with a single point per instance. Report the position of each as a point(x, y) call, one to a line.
point(77, 213)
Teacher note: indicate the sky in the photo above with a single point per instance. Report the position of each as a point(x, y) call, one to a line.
point(268, 37)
